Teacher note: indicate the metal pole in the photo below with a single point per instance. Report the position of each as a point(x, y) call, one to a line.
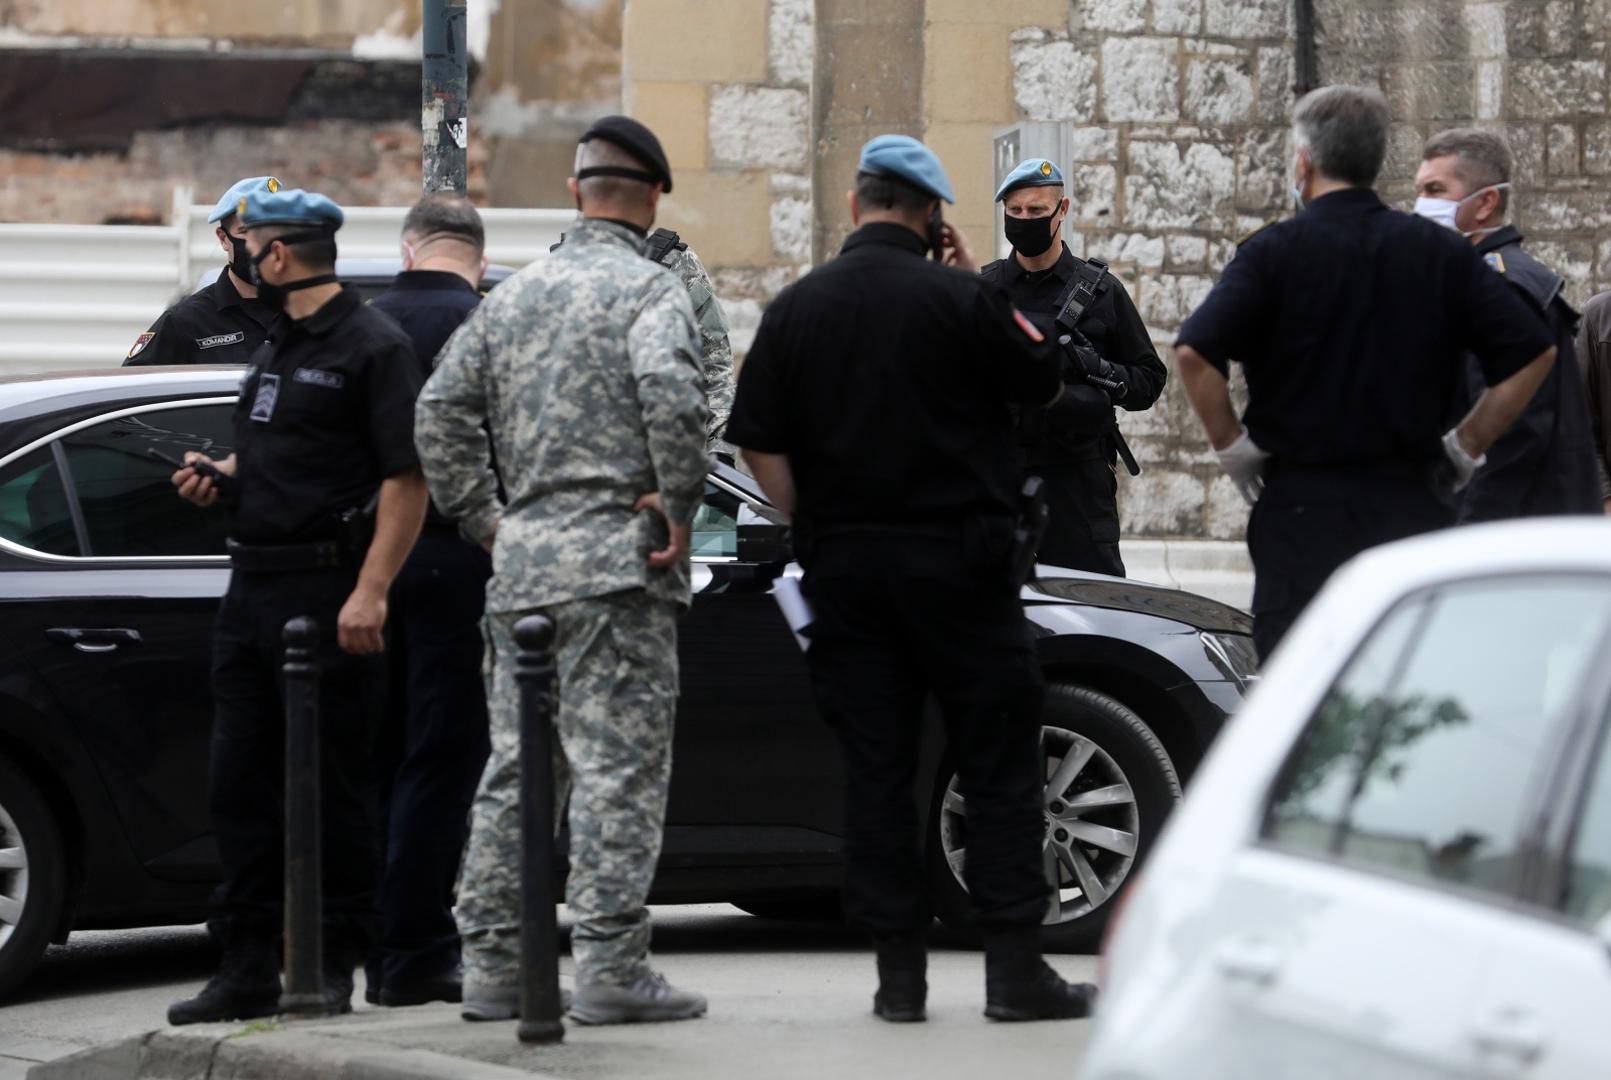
point(445, 101)
point(539, 955)
point(304, 933)
point(1305, 64)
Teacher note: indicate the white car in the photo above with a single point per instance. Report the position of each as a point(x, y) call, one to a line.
point(1395, 863)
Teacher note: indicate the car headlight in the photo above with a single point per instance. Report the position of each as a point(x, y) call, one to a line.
point(1234, 655)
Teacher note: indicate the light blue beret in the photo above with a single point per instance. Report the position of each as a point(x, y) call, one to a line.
point(294, 207)
point(904, 157)
point(1033, 172)
point(231, 202)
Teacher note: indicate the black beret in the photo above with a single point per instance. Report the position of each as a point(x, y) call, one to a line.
point(636, 140)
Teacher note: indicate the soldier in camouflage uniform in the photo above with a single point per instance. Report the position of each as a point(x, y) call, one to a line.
point(670, 250)
point(714, 346)
point(584, 370)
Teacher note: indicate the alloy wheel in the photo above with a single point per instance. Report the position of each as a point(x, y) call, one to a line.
point(1092, 825)
point(13, 876)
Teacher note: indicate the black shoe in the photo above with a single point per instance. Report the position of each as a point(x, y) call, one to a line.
point(1045, 996)
point(246, 987)
point(371, 994)
point(902, 980)
point(1020, 985)
point(444, 986)
point(224, 998)
point(337, 988)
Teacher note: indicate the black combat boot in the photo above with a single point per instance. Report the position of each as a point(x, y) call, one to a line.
point(902, 986)
point(246, 987)
point(1020, 985)
point(339, 961)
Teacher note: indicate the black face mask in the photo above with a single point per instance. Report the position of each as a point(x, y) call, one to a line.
point(240, 260)
point(1030, 236)
point(275, 295)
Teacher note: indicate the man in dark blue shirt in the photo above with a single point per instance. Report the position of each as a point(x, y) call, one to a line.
point(434, 740)
point(1351, 322)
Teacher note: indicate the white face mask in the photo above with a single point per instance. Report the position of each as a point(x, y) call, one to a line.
point(1444, 211)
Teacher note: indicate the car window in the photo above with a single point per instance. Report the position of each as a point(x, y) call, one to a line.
point(715, 528)
point(1419, 760)
point(128, 501)
point(1588, 872)
point(33, 505)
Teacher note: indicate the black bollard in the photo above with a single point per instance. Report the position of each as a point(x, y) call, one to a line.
point(304, 888)
point(539, 955)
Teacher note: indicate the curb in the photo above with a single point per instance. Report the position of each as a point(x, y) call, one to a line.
point(230, 1052)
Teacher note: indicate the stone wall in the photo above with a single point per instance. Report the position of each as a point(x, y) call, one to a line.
point(1181, 113)
point(726, 86)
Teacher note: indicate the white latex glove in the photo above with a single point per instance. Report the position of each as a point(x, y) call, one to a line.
point(1243, 462)
point(1465, 466)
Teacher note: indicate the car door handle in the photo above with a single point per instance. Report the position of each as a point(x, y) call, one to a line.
point(93, 639)
point(1510, 1034)
point(1250, 961)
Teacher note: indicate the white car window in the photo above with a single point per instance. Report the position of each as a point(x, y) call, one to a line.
point(1419, 761)
point(1588, 874)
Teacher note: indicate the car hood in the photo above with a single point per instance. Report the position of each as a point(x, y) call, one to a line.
point(1053, 585)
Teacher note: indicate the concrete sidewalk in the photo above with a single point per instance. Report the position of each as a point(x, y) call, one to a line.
point(810, 1021)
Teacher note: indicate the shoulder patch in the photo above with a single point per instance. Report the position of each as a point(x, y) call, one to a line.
point(1248, 236)
point(1495, 260)
point(1027, 327)
point(139, 345)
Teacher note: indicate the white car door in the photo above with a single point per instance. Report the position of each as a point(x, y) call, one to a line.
point(1542, 1009)
point(1355, 938)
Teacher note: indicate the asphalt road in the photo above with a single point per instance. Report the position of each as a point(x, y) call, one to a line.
point(787, 999)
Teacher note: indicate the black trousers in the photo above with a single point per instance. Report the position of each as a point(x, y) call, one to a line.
point(1082, 526)
point(896, 620)
point(433, 746)
point(247, 768)
point(1309, 522)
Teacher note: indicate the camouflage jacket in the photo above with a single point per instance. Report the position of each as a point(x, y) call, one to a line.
point(584, 369)
point(717, 352)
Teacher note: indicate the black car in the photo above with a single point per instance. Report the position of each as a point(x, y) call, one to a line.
point(109, 583)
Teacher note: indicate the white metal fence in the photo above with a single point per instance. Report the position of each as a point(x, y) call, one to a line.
point(75, 296)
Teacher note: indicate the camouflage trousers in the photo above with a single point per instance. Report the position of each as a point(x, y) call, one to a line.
point(617, 672)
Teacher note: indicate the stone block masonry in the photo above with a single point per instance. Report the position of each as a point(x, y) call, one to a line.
point(1181, 113)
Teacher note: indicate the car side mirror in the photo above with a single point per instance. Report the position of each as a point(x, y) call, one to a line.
point(764, 543)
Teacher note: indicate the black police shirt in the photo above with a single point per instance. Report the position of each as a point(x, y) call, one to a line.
point(429, 305)
point(885, 378)
point(215, 325)
point(326, 413)
point(1114, 328)
point(1351, 322)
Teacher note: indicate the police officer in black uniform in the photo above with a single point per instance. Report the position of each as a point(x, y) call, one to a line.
point(1351, 322)
point(326, 498)
point(874, 408)
point(225, 322)
point(433, 742)
point(1075, 445)
point(1545, 463)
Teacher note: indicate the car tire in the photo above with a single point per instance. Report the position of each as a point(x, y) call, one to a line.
point(806, 907)
point(32, 876)
point(1128, 785)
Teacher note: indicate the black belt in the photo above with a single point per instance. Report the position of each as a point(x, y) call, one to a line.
point(286, 558)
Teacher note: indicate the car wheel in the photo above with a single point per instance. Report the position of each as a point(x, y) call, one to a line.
point(1109, 786)
point(32, 876)
point(807, 907)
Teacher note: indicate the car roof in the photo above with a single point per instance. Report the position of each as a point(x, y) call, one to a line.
point(22, 396)
point(1535, 545)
